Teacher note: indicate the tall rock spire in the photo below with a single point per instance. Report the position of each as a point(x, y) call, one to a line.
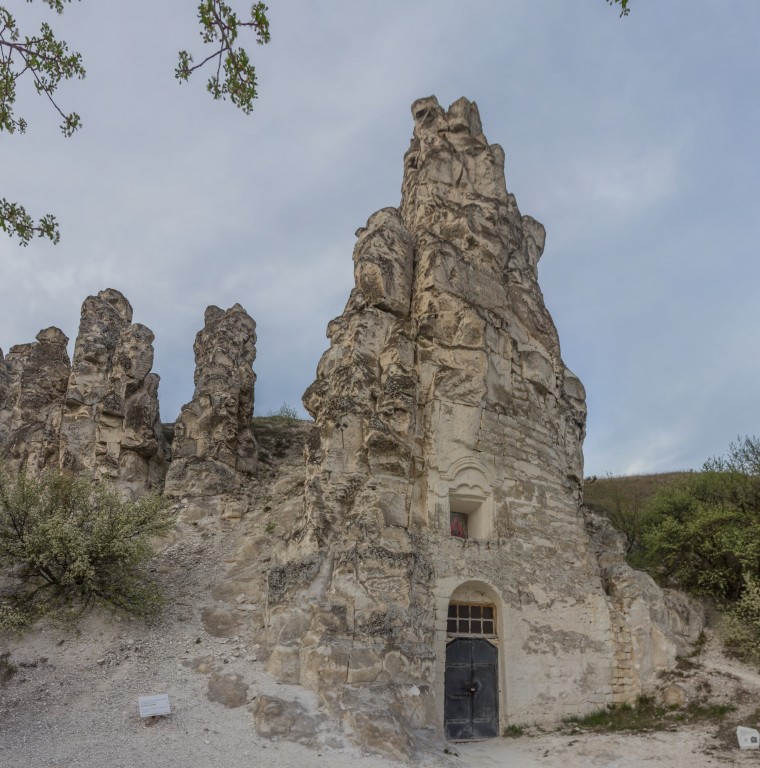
point(214, 451)
point(111, 424)
point(31, 401)
point(444, 488)
point(445, 344)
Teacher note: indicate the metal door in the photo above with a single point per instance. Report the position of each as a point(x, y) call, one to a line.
point(471, 706)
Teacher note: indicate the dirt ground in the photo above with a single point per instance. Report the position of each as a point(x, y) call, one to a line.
point(73, 703)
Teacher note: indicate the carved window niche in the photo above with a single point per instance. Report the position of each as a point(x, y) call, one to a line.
point(471, 619)
point(466, 516)
point(464, 501)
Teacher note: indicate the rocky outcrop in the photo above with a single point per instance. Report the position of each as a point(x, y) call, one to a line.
point(4, 386)
point(437, 516)
point(651, 626)
point(214, 451)
point(445, 469)
point(33, 380)
point(111, 425)
point(98, 414)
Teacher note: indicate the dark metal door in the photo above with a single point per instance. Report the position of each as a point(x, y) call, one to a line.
point(471, 706)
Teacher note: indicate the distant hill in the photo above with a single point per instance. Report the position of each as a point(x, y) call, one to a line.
point(628, 493)
point(622, 500)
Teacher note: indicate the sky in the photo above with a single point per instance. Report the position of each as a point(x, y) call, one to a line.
point(633, 140)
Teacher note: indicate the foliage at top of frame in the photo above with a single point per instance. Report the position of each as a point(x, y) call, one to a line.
point(47, 61)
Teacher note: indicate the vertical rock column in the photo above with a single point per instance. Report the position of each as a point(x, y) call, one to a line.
point(443, 385)
point(111, 423)
point(5, 382)
point(214, 451)
point(33, 380)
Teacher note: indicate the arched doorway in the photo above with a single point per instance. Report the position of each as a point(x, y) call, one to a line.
point(471, 688)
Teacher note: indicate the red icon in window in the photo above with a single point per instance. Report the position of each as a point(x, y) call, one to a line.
point(458, 522)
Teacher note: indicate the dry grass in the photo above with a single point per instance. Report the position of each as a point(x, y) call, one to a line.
point(608, 494)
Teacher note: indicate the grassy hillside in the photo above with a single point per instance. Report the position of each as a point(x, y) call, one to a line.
point(612, 495)
point(623, 500)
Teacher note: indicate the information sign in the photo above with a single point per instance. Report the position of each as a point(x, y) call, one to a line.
point(151, 706)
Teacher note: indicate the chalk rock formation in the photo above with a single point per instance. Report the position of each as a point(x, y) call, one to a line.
point(111, 424)
point(99, 413)
point(651, 626)
point(5, 382)
point(445, 473)
point(214, 450)
point(33, 380)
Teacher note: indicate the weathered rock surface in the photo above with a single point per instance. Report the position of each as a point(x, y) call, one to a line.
point(443, 401)
point(111, 425)
point(33, 380)
point(98, 414)
point(439, 504)
point(5, 382)
point(229, 690)
point(651, 626)
point(214, 450)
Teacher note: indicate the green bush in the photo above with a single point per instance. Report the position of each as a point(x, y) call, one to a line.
point(11, 618)
point(623, 501)
point(740, 628)
point(70, 542)
point(703, 547)
point(702, 534)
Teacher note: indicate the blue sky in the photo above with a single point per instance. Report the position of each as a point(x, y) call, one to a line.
point(634, 141)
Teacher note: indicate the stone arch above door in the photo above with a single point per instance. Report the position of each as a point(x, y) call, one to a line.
point(473, 592)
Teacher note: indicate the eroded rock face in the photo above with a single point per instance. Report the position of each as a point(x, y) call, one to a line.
point(652, 626)
point(214, 450)
point(5, 381)
point(111, 424)
point(33, 380)
point(445, 468)
point(98, 414)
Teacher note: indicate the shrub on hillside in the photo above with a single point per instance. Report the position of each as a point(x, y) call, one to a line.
point(287, 413)
point(703, 534)
point(623, 501)
point(740, 629)
point(69, 542)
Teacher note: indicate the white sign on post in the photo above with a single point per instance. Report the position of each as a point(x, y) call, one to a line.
point(152, 706)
